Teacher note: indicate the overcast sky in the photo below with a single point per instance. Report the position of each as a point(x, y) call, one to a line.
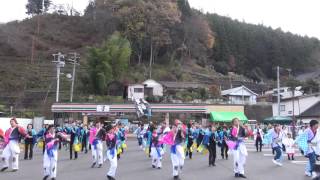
point(297, 16)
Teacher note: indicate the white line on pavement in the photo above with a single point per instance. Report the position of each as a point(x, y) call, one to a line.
point(299, 162)
point(296, 155)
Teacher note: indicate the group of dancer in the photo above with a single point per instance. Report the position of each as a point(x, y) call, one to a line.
point(114, 135)
point(179, 139)
point(307, 141)
point(183, 140)
point(52, 137)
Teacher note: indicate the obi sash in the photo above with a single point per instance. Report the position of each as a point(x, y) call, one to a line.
point(95, 143)
point(158, 149)
point(174, 149)
point(51, 147)
point(112, 152)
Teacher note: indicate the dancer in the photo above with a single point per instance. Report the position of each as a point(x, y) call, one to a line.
point(50, 158)
point(97, 135)
point(223, 135)
point(111, 155)
point(156, 150)
point(41, 136)
point(1, 133)
point(189, 141)
point(84, 139)
point(74, 132)
point(177, 152)
point(121, 139)
point(1, 139)
point(148, 137)
point(277, 145)
point(199, 135)
point(238, 148)
point(12, 149)
point(211, 145)
point(310, 151)
point(139, 134)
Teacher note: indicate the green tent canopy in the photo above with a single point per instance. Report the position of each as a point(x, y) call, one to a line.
point(227, 116)
point(278, 120)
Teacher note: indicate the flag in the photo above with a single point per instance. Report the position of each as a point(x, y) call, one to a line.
point(302, 142)
point(267, 138)
point(167, 139)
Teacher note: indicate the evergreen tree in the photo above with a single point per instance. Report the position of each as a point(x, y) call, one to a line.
point(184, 7)
point(35, 7)
point(108, 62)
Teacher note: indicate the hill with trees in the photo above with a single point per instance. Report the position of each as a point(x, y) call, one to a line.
point(133, 40)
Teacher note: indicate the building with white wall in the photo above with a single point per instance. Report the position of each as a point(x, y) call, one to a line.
point(297, 106)
point(135, 91)
point(285, 92)
point(152, 88)
point(240, 95)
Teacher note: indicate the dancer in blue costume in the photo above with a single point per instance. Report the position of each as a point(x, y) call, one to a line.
point(111, 155)
point(310, 151)
point(177, 152)
point(189, 140)
point(50, 158)
point(210, 143)
point(276, 135)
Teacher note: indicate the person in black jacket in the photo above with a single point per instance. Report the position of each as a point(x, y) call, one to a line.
point(212, 146)
point(189, 140)
point(223, 135)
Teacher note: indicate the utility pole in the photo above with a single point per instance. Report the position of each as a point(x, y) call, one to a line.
point(58, 59)
point(34, 37)
point(11, 110)
point(278, 88)
point(151, 59)
point(74, 61)
point(42, 6)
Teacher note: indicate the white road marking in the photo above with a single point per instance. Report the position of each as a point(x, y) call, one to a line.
point(296, 155)
point(299, 162)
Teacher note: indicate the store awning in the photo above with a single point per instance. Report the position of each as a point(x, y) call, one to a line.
point(278, 120)
point(227, 116)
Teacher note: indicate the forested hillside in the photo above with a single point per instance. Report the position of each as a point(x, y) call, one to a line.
point(254, 50)
point(133, 40)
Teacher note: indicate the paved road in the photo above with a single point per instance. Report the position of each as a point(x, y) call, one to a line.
point(134, 165)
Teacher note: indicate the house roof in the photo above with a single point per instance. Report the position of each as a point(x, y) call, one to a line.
point(234, 90)
point(310, 75)
point(151, 82)
point(313, 111)
point(300, 97)
point(136, 85)
point(182, 85)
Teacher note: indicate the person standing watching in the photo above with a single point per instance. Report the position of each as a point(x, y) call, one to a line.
point(258, 136)
point(29, 142)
